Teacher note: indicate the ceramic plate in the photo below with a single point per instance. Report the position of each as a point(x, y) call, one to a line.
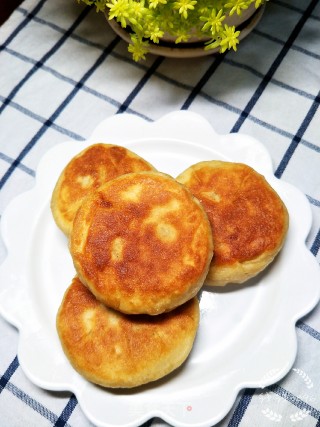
point(247, 333)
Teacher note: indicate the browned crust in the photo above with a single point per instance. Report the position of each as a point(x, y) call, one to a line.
point(89, 169)
point(116, 350)
point(248, 218)
point(142, 243)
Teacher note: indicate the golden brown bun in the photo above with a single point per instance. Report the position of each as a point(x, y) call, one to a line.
point(91, 168)
point(118, 350)
point(249, 220)
point(142, 243)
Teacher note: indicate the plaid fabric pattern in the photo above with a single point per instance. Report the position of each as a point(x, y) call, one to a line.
point(63, 70)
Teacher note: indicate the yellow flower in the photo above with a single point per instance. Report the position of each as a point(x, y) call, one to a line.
point(119, 9)
point(154, 3)
point(138, 48)
point(184, 6)
point(182, 38)
point(229, 38)
point(100, 5)
point(213, 21)
point(237, 6)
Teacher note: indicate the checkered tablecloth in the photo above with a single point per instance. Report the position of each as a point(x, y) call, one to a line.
point(63, 70)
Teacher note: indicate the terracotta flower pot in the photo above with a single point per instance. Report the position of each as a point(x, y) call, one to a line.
point(195, 46)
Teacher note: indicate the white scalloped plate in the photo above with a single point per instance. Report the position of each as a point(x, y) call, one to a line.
point(247, 333)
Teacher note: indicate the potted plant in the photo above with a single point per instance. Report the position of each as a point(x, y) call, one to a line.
point(149, 23)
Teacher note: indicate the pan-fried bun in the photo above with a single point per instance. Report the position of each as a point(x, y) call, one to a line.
point(91, 168)
point(118, 350)
point(142, 243)
point(249, 220)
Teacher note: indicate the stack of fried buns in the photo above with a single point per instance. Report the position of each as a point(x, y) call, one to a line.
point(143, 244)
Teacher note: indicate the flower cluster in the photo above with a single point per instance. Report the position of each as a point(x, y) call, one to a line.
point(149, 20)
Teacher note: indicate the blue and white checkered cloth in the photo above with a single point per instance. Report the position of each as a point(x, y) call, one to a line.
point(63, 70)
